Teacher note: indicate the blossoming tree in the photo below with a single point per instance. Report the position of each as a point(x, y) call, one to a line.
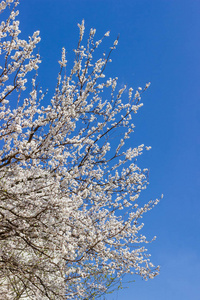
point(69, 210)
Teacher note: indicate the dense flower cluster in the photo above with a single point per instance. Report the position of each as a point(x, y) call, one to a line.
point(69, 211)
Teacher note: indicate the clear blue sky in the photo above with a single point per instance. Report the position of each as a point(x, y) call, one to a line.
point(159, 42)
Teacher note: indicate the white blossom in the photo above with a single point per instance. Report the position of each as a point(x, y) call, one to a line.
point(70, 214)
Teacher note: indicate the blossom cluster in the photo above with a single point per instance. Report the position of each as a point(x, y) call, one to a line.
point(69, 193)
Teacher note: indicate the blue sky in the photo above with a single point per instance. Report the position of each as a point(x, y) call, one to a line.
point(159, 42)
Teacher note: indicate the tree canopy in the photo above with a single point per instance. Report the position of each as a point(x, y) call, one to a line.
point(69, 186)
